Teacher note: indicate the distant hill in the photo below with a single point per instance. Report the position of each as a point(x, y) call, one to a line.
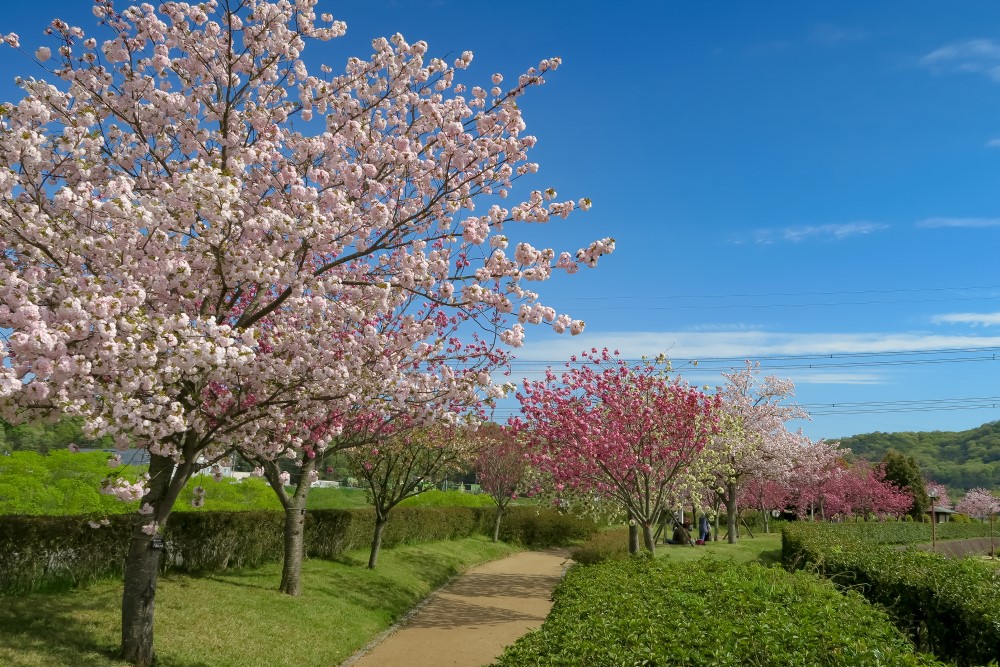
point(959, 460)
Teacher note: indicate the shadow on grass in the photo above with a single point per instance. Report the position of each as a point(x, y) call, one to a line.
point(46, 625)
point(771, 557)
point(47, 629)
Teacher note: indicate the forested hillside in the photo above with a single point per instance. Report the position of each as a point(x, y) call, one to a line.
point(959, 460)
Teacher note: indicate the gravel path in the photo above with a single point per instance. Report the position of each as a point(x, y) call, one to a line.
point(469, 621)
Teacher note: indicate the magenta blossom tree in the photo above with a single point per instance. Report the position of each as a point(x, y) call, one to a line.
point(200, 235)
point(501, 468)
point(619, 430)
point(404, 463)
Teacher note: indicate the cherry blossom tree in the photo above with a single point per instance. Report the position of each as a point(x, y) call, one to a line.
point(864, 490)
point(940, 493)
point(756, 441)
point(769, 495)
point(308, 458)
point(404, 464)
point(816, 479)
point(501, 468)
point(981, 503)
point(620, 430)
point(198, 234)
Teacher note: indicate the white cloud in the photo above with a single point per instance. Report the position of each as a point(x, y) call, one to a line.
point(975, 319)
point(837, 378)
point(798, 234)
point(959, 222)
point(683, 345)
point(981, 56)
point(993, 143)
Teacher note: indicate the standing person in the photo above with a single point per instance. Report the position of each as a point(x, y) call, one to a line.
point(704, 529)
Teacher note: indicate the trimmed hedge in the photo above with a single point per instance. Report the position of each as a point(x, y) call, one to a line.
point(946, 606)
point(901, 532)
point(602, 546)
point(38, 552)
point(643, 611)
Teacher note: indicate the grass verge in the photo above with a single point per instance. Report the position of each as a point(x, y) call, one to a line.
point(239, 618)
point(613, 545)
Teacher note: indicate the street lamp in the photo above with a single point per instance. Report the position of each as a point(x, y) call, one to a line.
point(933, 495)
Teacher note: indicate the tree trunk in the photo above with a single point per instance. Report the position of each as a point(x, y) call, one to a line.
point(647, 537)
point(291, 570)
point(142, 563)
point(731, 511)
point(767, 516)
point(496, 524)
point(715, 535)
point(993, 547)
point(633, 537)
point(376, 542)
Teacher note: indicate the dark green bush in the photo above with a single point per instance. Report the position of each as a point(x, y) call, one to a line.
point(946, 606)
point(643, 611)
point(536, 527)
point(38, 551)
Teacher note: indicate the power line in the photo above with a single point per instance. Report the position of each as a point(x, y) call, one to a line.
point(777, 294)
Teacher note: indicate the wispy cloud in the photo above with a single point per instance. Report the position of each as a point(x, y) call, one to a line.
point(684, 345)
point(837, 378)
point(975, 319)
point(803, 233)
point(993, 143)
point(980, 56)
point(959, 222)
point(827, 34)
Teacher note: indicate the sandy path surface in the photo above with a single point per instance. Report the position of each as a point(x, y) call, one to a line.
point(468, 622)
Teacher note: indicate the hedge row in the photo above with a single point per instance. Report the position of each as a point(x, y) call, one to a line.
point(946, 606)
point(903, 532)
point(643, 611)
point(39, 552)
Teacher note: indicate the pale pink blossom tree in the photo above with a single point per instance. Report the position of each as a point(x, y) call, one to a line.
point(198, 234)
point(940, 491)
point(981, 503)
point(620, 430)
point(756, 441)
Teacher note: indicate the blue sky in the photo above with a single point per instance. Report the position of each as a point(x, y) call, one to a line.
point(809, 184)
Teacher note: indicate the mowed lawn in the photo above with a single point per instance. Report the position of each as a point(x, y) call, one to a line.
point(239, 618)
point(762, 548)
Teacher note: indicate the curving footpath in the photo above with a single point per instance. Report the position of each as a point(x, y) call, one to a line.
point(470, 620)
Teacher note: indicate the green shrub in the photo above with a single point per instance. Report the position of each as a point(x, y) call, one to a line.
point(946, 606)
point(38, 552)
point(602, 546)
point(539, 527)
point(644, 611)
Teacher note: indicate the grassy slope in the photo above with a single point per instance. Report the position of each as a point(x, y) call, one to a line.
point(239, 618)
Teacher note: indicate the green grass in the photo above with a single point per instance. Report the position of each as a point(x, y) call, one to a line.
point(613, 544)
point(239, 618)
point(337, 499)
point(764, 549)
